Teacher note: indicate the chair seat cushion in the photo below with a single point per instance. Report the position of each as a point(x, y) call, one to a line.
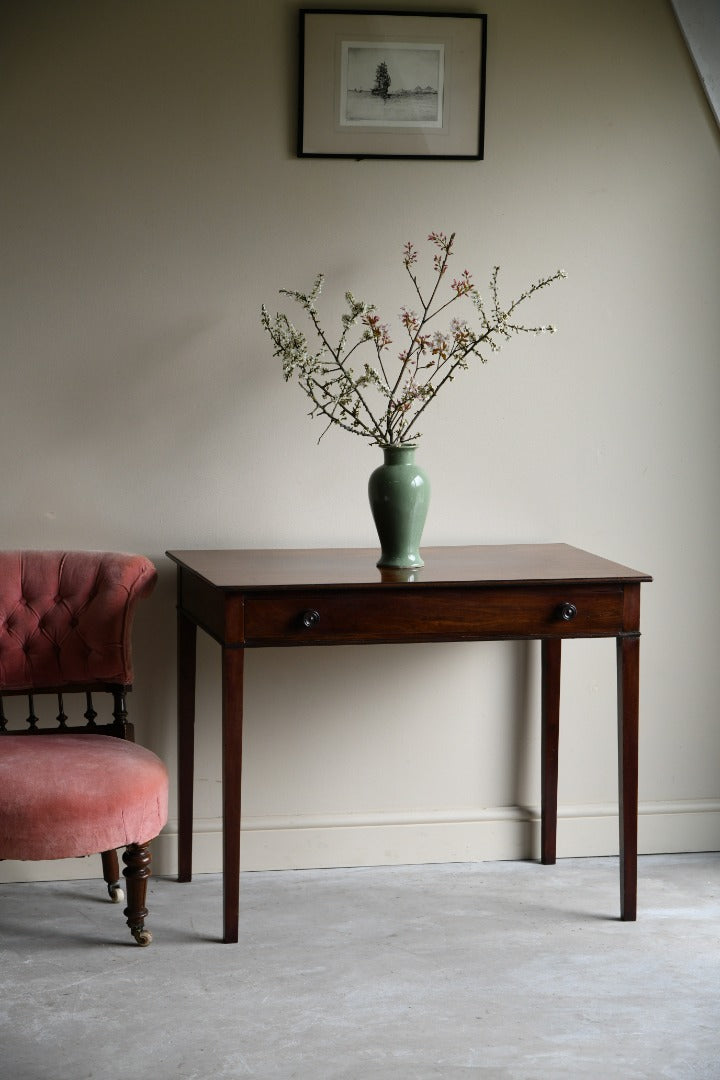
point(67, 795)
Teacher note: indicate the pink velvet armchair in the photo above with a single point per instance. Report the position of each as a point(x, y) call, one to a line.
point(73, 789)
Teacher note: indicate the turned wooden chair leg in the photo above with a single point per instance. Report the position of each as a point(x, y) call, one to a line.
point(137, 870)
point(111, 876)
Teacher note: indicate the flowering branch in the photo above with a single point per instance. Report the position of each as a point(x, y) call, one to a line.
point(369, 402)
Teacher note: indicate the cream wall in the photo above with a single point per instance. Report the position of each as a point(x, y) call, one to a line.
point(151, 201)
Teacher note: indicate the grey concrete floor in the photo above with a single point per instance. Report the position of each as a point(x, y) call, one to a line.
point(501, 971)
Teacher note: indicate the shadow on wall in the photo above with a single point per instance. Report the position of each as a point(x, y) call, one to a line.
point(151, 706)
point(284, 720)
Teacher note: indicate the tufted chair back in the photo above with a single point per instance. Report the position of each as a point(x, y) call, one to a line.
point(66, 617)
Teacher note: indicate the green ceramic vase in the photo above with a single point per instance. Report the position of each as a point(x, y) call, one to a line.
point(399, 492)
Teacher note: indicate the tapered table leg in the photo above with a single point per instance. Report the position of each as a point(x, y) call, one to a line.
point(550, 696)
point(232, 717)
point(628, 671)
point(186, 650)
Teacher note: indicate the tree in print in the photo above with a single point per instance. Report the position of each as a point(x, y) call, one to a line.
point(382, 81)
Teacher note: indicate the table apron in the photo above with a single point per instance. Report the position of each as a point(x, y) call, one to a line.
point(441, 614)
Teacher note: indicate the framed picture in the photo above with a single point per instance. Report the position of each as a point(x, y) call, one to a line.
point(376, 84)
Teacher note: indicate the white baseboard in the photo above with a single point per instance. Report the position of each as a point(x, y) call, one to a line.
point(387, 839)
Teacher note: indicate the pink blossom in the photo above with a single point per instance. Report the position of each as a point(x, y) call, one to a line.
point(463, 284)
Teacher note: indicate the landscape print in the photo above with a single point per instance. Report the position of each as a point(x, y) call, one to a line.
point(392, 85)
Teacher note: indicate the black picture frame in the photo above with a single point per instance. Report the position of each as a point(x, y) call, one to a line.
point(391, 84)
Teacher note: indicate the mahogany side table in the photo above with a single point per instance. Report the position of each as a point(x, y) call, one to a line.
point(258, 598)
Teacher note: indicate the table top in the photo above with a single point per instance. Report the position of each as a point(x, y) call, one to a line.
point(260, 569)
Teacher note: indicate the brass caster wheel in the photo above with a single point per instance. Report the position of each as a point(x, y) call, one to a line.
point(115, 892)
point(141, 935)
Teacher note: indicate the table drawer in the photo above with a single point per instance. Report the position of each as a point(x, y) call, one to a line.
point(432, 614)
